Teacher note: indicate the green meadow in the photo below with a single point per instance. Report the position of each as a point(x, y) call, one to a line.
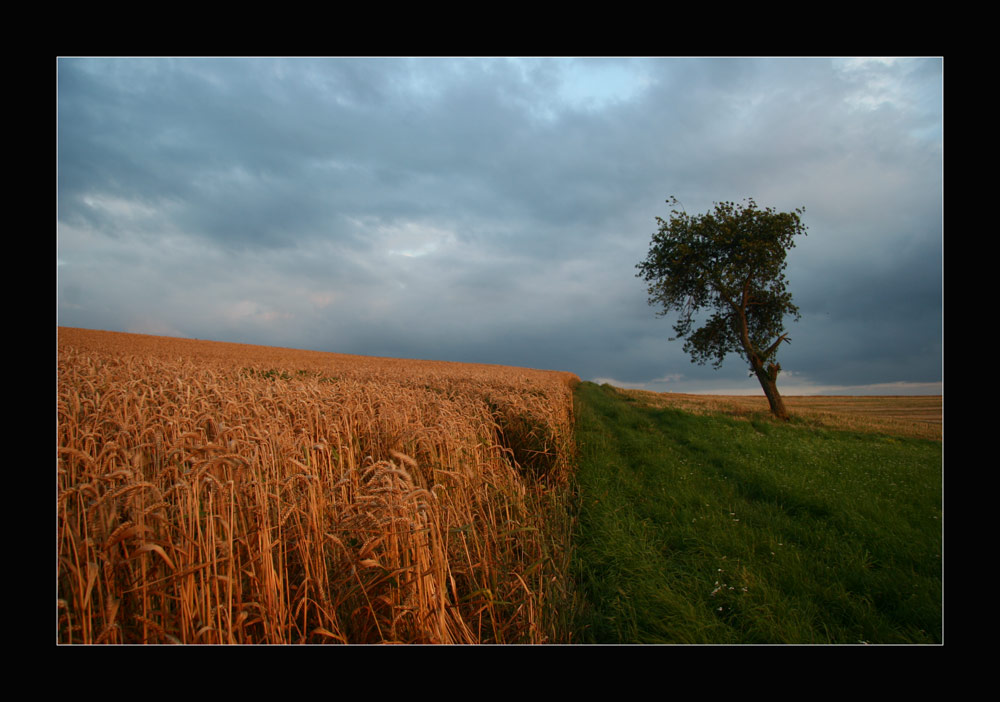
point(709, 529)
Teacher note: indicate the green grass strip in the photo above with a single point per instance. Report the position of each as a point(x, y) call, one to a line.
point(705, 529)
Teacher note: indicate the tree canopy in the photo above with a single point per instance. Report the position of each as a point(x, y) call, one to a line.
point(731, 261)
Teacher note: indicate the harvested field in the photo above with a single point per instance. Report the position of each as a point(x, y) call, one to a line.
point(225, 493)
point(918, 416)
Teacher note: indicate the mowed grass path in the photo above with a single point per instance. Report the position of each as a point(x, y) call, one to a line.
point(707, 529)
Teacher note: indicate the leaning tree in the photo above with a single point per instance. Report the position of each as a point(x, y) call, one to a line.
point(730, 261)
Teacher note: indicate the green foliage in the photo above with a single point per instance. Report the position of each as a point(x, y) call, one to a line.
point(730, 261)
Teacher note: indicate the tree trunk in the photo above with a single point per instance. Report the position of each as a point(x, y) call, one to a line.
point(768, 377)
point(768, 380)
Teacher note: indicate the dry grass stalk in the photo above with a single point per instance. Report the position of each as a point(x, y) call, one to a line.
point(222, 493)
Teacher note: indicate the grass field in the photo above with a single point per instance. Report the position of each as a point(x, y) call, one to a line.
point(726, 527)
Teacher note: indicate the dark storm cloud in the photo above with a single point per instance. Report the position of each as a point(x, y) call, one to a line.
point(493, 210)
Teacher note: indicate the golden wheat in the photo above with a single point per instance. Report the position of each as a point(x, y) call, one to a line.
point(224, 493)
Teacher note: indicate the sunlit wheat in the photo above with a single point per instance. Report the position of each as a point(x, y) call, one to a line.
point(224, 493)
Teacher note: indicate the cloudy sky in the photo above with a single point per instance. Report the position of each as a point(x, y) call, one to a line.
point(493, 210)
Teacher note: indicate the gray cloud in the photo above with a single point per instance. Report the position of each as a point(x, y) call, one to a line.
point(494, 210)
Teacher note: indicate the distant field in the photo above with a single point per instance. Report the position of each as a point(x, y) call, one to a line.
point(917, 416)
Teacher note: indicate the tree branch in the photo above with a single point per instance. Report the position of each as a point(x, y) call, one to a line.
point(774, 346)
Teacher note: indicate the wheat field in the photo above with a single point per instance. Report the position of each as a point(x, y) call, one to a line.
point(916, 416)
point(224, 493)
